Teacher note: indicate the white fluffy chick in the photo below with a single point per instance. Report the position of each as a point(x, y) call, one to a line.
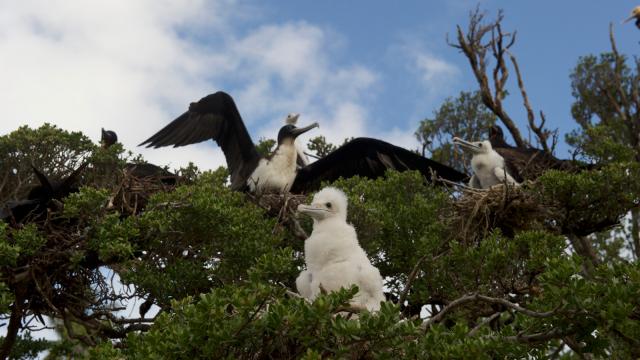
point(488, 166)
point(333, 255)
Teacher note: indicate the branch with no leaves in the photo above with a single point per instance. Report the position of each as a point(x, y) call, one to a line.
point(469, 298)
point(474, 46)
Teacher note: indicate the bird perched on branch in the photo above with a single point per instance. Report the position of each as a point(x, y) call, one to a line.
point(529, 163)
point(333, 255)
point(488, 166)
point(216, 117)
point(635, 14)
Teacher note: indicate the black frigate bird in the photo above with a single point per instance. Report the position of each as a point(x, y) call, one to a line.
point(216, 117)
point(41, 197)
point(140, 170)
point(528, 163)
point(369, 158)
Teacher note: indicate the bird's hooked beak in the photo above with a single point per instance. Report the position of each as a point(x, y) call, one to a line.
point(465, 144)
point(635, 14)
point(314, 211)
point(299, 131)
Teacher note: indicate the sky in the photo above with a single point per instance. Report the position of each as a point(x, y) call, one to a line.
point(359, 67)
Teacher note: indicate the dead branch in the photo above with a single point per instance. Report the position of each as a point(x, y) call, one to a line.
point(474, 46)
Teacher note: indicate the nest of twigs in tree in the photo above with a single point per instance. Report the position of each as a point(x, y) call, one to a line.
point(506, 207)
point(132, 193)
point(284, 207)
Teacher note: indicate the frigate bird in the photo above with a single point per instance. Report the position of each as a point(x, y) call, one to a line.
point(303, 159)
point(369, 158)
point(635, 14)
point(488, 166)
point(108, 138)
point(139, 170)
point(333, 255)
point(41, 197)
point(528, 163)
point(216, 117)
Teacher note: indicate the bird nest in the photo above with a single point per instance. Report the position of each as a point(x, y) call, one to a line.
point(132, 193)
point(506, 207)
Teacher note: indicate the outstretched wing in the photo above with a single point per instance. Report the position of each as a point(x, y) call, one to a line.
point(369, 158)
point(214, 117)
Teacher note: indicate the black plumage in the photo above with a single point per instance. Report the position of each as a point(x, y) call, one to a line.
point(369, 158)
point(528, 163)
point(41, 197)
point(214, 117)
point(108, 138)
point(140, 170)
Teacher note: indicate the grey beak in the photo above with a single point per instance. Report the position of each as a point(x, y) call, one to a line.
point(464, 143)
point(299, 131)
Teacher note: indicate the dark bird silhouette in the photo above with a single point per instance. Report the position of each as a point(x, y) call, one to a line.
point(528, 163)
point(216, 117)
point(635, 14)
point(41, 198)
point(108, 138)
point(369, 158)
point(140, 170)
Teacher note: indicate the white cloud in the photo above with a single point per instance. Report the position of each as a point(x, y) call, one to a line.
point(134, 66)
point(433, 70)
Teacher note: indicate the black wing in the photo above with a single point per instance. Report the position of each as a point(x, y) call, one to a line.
point(368, 158)
point(213, 117)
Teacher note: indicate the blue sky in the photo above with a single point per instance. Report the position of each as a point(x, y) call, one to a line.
point(360, 68)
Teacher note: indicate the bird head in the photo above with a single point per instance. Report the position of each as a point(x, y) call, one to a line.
point(108, 138)
point(327, 203)
point(635, 14)
point(476, 147)
point(290, 132)
point(292, 119)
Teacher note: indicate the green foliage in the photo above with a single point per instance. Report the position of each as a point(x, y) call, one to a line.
point(591, 198)
point(320, 146)
point(265, 146)
point(605, 107)
point(27, 347)
point(9, 252)
point(53, 151)
point(198, 237)
point(464, 116)
point(28, 240)
point(396, 219)
point(87, 203)
point(243, 321)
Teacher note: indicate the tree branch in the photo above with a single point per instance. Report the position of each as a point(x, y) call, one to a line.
point(476, 297)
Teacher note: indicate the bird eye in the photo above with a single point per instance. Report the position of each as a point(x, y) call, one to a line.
point(480, 144)
point(328, 205)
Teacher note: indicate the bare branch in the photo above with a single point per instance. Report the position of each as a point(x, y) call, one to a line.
point(472, 46)
point(483, 323)
point(476, 297)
